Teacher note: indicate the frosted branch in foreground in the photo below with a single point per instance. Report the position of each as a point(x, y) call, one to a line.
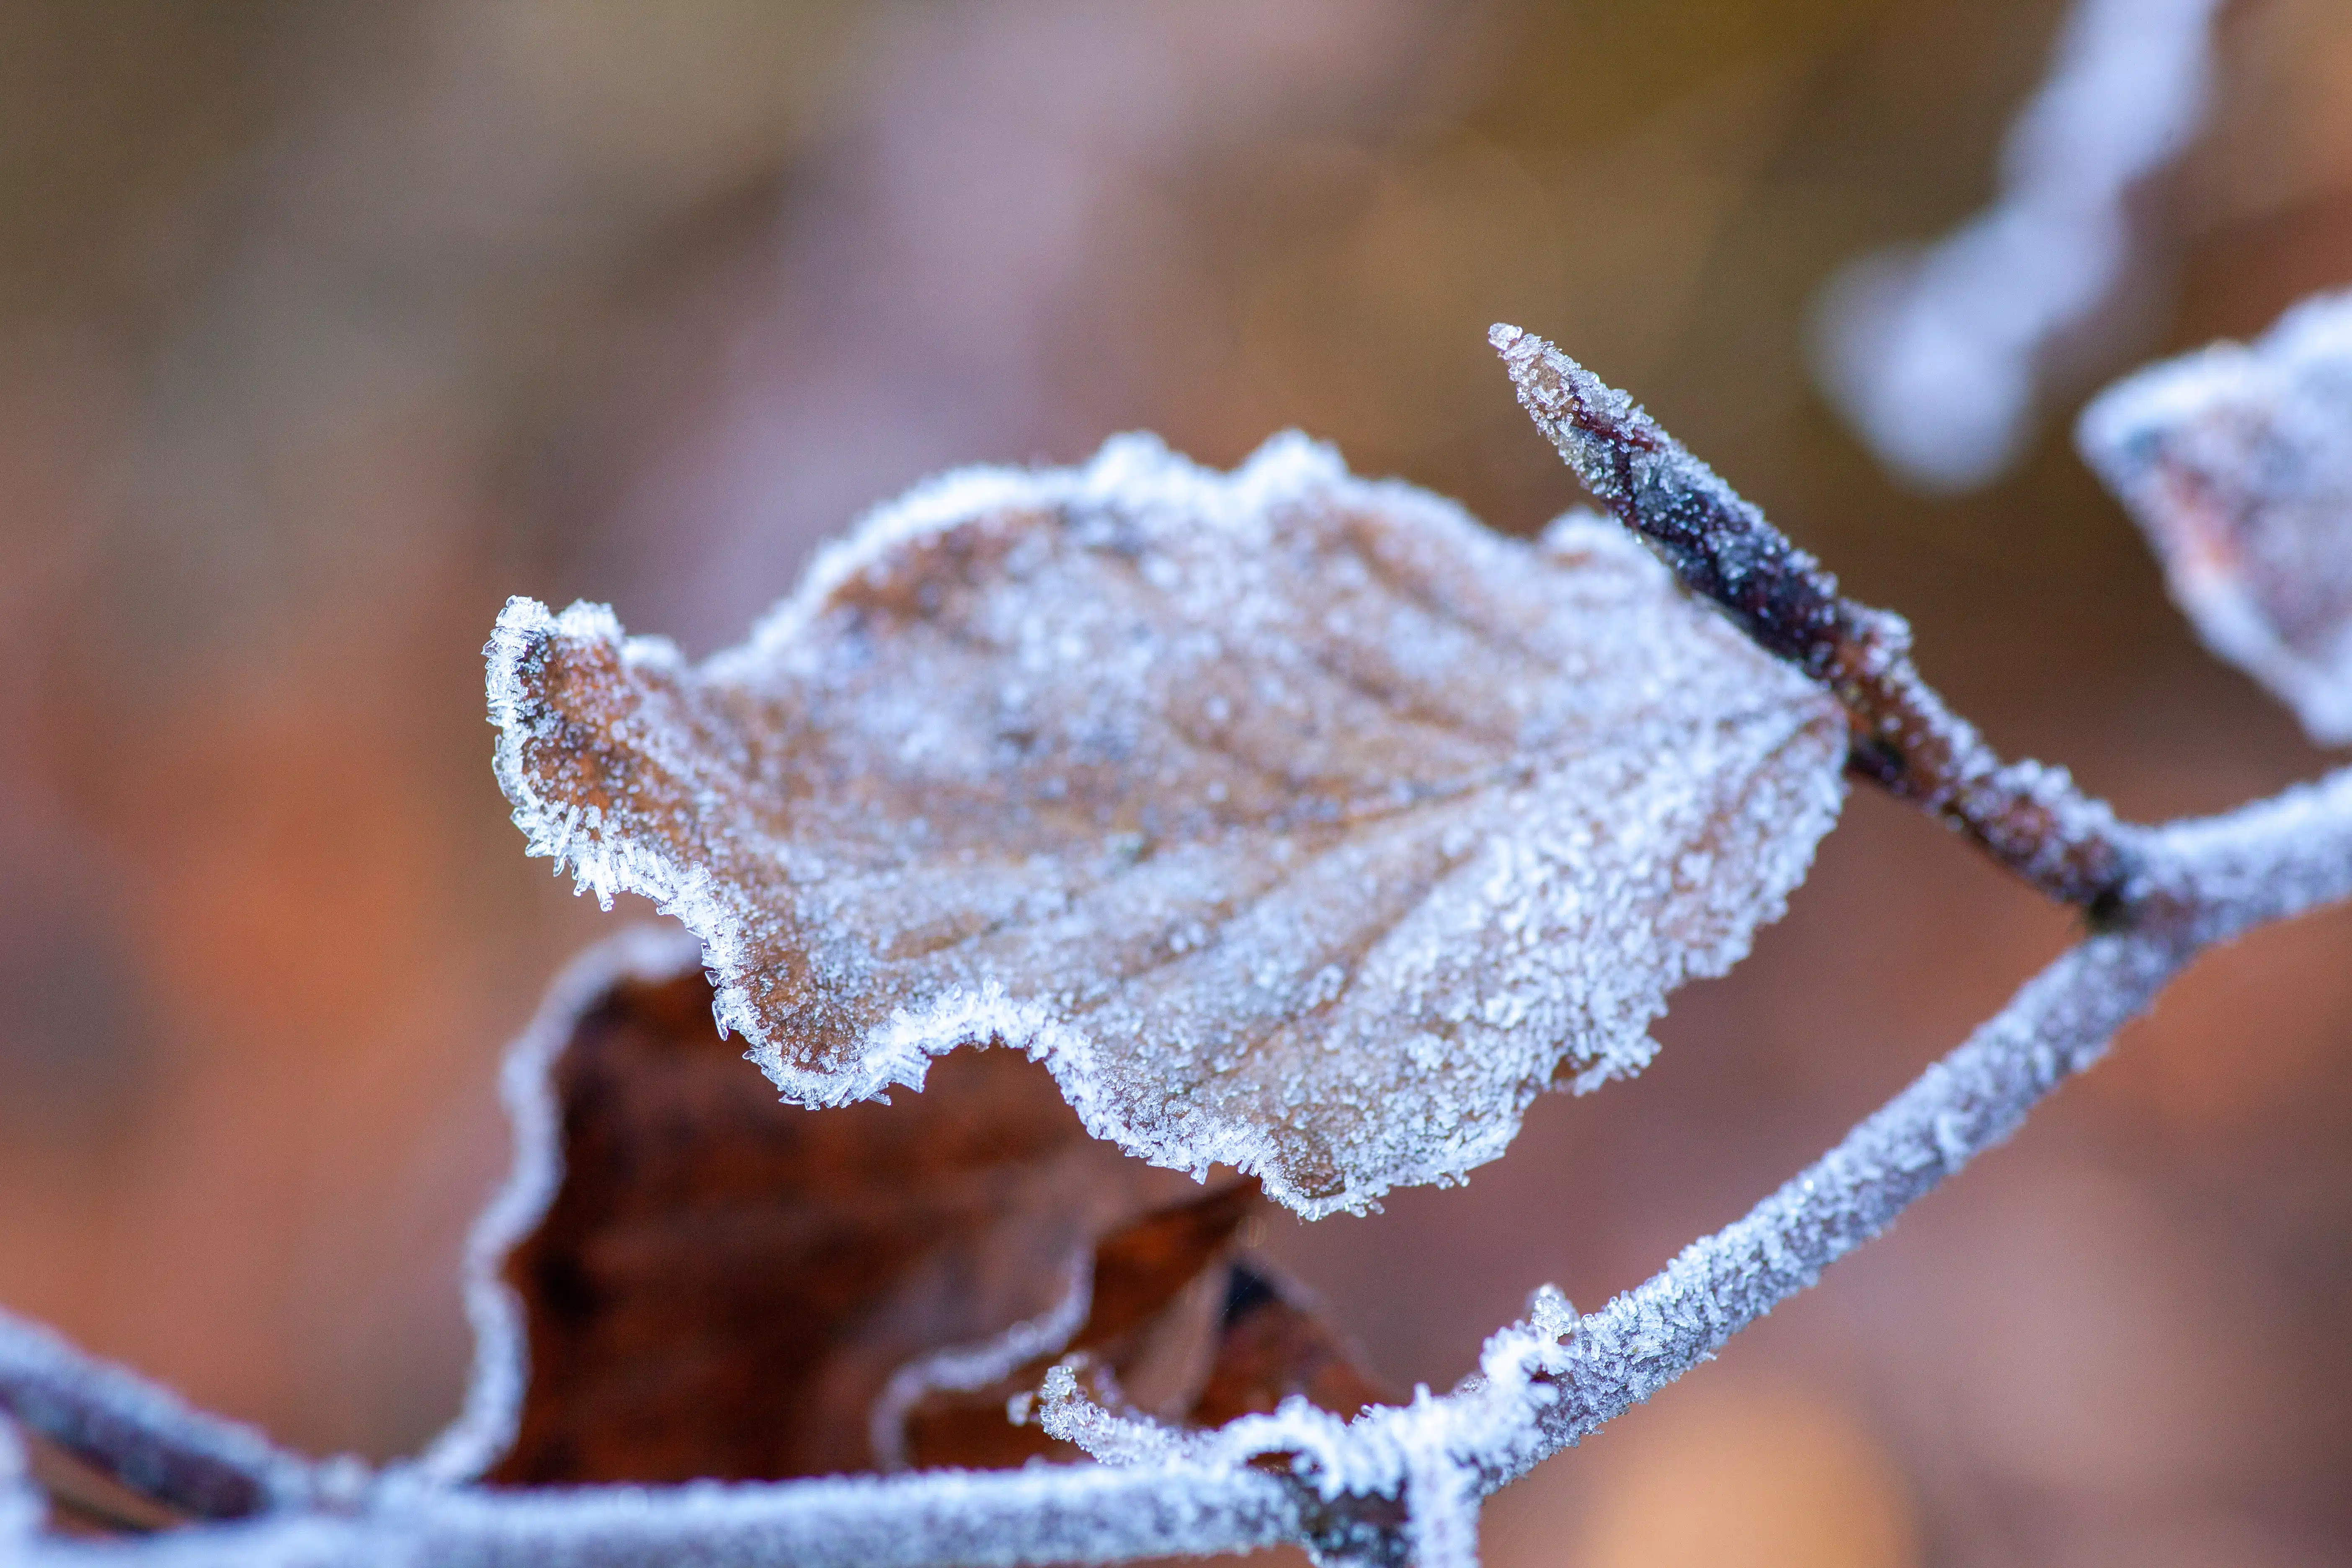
point(2237, 463)
point(1938, 354)
point(1902, 736)
point(143, 1435)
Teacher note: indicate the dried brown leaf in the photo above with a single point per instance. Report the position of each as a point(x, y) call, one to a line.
point(1298, 823)
point(721, 1285)
point(713, 1284)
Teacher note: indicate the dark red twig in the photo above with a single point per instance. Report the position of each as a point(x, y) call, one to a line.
point(1902, 737)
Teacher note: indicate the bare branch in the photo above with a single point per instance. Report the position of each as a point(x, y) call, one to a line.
point(143, 1435)
point(938, 1519)
point(1972, 1100)
point(2029, 817)
point(2209, 880)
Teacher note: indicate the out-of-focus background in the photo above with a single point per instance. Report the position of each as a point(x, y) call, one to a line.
point(324, 329)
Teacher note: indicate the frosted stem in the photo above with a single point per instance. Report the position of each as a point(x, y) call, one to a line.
point(940, 1519)
point(142, 1435)
point(1973, 1098)
point(2203, 882)
point(1902, 735)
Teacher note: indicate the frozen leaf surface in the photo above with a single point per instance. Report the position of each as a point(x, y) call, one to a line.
point(2237, 462)
point(1297, 822)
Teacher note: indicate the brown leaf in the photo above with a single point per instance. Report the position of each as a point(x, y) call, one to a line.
point(1298, 823)
point(721, 1285)
point(2237, 462)
point(1272, 1345)
point(1177, 1328)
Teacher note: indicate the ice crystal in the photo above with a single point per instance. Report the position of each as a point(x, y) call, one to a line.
point(2237, 462)
point(1295, 821)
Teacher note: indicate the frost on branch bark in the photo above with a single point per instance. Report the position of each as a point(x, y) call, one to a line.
point(1297, 822)
point(2237, 462)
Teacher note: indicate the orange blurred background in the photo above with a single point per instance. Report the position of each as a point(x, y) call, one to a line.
point(324, 329)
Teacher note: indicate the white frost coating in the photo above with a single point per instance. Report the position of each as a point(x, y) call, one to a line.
point(1295, 821)
point(961, 1368)
point(2237, 462)
point(2262, 862)
point(1937, 354)
point(485, 1426)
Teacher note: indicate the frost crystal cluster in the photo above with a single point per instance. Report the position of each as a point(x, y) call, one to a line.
point(1297, 821)
point(2237, 461)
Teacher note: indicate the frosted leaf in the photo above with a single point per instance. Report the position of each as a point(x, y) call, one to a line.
point(2237, 462)
point(1297, 822)
point(685, 1278)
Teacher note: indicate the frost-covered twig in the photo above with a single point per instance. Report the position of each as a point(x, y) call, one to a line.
point(2211, 879)
point(20, 1504)
point(2206, 882)
point(1937, 356)
point(1542, 1385)
point(2029, 816)
point(937, 1519)
point(143, 1435)
point(1973, 1098)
